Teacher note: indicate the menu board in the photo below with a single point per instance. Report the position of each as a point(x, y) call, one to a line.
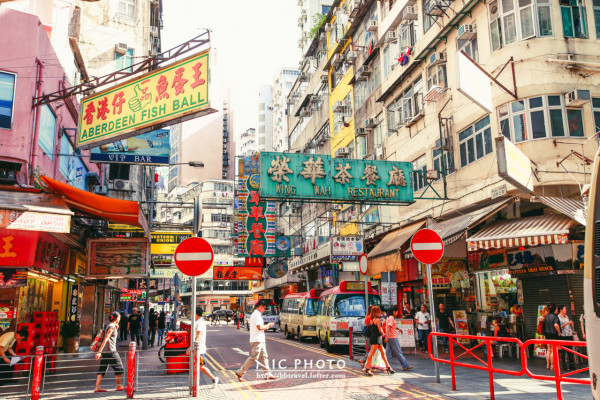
point(406, 332)
point(540, 350)
point(123, 257)
point(462, 324)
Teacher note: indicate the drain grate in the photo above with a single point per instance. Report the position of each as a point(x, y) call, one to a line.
point(362, 396)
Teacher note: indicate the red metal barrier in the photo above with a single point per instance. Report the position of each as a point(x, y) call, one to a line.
point(38, 366)
point(350, 332)
point(238, 323)
point(131, 370)
point(489, 366)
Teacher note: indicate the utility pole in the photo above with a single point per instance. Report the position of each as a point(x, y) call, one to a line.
point(147, 302)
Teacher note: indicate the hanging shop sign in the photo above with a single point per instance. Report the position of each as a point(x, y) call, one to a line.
point(35, 221)
point(389, 293)
point(163, 273)
point(12, 278)
point(123, 257)
point(249, 165)
point(73, 301)
point(237, 273)
point(168, 95)
point(163, 242)
point(255, 262)
point(449, 273)
point(151, 148)
point(133, 295)
point(346, 248)
point(317, 177)
point(33, 249)
point(283, 246)
point(558, 257)
point(513, 165)
point(487, 259)
point(406, 332)
point(277, 270)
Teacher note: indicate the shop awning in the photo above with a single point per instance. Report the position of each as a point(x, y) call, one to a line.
point(530, 231)
point(113, 210)
point(572, 208)
point(32, 210)
point(454, 229)
point(386, 255)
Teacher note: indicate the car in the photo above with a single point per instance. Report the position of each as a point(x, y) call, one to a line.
point(224, 314)
point(207, 315)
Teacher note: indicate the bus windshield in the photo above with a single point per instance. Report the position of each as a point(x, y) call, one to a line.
point(312, 306)
point(271, 310)
point(353, 305)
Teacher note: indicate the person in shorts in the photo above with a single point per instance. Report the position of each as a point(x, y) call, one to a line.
point(108, 353)
point(200, 328)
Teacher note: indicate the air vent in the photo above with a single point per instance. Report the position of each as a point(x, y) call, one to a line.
point(597, 238)
point(597, 288)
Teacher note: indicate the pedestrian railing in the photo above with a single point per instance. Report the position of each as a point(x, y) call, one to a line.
point(358, 345)
point(460, 353)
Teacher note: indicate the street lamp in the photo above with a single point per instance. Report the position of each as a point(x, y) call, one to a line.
point(195, 164)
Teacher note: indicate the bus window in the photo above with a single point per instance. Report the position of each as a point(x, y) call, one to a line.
point(353, 305)
point(301, 307)
point(311, 306)
point(270, 310)
point(321, 306)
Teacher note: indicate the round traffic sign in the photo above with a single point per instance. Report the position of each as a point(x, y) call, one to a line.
point(362, 264)
point(427, 246)
point(193, 256)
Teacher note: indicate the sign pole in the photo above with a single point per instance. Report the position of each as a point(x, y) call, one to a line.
point(433, 328)
point(364, 269)
point(193, 300)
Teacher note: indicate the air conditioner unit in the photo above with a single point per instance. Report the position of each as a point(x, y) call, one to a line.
point(336, 59)
point(372, 25)
point(410, 13)
point(305, 113)
point(303, 77)
point(577, 97)
point(342, 152)
point(437, 9)
point(351, 56)
point(361, 132)
point(432, 174)
point(370, 123)
point(391, 37)
point(120, 184)
point(339, 106)
point(437, 58)
point(295, 94)
point(300, 43)
point(300, 21)
point(467, 32)
point(365, 70)
point(328, 27)
point(379, 151)
point(121, 48)
point(324, 78)
point(290, 100)
point(313, 98)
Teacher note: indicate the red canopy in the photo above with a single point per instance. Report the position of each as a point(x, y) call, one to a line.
point(113, 210)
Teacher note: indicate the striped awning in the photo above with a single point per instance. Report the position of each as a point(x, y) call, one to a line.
point(530, 231)
point(572, 208)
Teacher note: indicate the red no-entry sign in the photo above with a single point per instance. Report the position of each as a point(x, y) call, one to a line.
point(194, 256)
point(427, 246)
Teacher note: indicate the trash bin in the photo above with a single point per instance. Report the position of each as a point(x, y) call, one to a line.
point(176, 345)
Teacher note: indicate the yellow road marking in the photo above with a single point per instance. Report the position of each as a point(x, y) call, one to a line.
point(234, 383)
point(414, 393)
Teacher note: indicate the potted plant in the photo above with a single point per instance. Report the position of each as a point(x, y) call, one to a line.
point(69, 331)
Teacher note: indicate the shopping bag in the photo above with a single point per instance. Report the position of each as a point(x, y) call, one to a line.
point(95, 346)
point(377, 361)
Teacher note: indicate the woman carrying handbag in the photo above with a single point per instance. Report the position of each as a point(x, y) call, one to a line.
point(376, 342)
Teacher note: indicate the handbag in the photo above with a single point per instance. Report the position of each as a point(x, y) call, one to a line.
point(95, 346)
point(365, 330)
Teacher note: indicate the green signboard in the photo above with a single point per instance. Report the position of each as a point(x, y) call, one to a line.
point(319, 177)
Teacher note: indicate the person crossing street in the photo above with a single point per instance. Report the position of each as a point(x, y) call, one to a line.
point(200, 328)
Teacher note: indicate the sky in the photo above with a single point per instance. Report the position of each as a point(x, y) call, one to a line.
point(251, 40)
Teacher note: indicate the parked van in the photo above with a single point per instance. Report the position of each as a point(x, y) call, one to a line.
point(299, 314)
point(271, 313)
point(340, 308)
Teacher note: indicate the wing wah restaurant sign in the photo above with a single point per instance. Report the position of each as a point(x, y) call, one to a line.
point(168, 95)
point(319, 177)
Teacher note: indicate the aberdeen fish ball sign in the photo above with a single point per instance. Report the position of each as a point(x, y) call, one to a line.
point(162, 97)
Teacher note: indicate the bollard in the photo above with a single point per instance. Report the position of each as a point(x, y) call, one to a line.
point(38, 366)
point(131, 370)
point(350, 329)
point(196, 367)
point(238, 323)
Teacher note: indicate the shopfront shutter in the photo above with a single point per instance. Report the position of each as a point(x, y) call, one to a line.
point(576, 285)
point(542, 290)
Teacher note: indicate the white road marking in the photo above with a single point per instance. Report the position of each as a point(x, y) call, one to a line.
point(245, 353)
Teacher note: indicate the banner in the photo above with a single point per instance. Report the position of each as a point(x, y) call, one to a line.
point(35, 221)
point(162, 97)
point(150, 148)
point(449, 272)
point(123, 257)
point(237, 273)
point(346, 248)
point(539, 351)
point(487, 259)
point(406, 332)
point(462, 325)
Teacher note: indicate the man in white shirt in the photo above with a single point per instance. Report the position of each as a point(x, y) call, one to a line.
point(200, 328)
point(168, 321)
point(257, 342)
point(423, 321)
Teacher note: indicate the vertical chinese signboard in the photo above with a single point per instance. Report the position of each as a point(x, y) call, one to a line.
point(162, 97)
point(73, 300)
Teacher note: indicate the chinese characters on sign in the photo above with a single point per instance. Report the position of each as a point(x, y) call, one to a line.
point(156, 99)
point(125, 257)
point(237, 273)
point(322, 178)
point(73, 303)
point(346, 248)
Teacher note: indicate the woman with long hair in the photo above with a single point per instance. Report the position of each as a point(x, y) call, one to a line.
point(109, 354)
point(376, 341)
point(162, 325)
point(393, 346)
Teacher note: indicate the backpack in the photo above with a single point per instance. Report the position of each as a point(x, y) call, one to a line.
point(95, 346)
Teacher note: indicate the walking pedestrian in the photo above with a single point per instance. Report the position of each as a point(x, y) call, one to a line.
point(367, 322)
point(423, 321)
point(376, 342)
point(444, 324)
point(162, 325)
point(391, 338)
point(582, 323)
point(134, 325)
point(7, 342)
point(567, 329)
point(109, 354)
point(152, 325)
point(168, 321)
point(551, 331)
point(257, 342)
point(200, 328)
point(123, 326)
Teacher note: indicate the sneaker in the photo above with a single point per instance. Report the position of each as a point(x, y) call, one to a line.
point(215, 383)
point(270, 377)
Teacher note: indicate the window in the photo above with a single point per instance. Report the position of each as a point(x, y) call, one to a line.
point(437, 160)
point(71, 166)
point(378, 135)
point(573, 19)
point(261, 129)
point(127, 9)
point(470, 47)
point(475, 142)
point(411, 103)
point(436, 76)
point(261, 140)
point(123, 61)
point(47, 130)
point(391, 119)
point(597, 17)
point(361, 148)
point(261, 117)
point(408, 34)
point(596, 110)
point(539, 118)
point(7, 97)
point(428, 20)
point(118, 171)
point(261, 106)
point(419, 167)
point(515, 20)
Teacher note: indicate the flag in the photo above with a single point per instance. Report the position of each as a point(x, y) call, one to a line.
point(408, 50)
